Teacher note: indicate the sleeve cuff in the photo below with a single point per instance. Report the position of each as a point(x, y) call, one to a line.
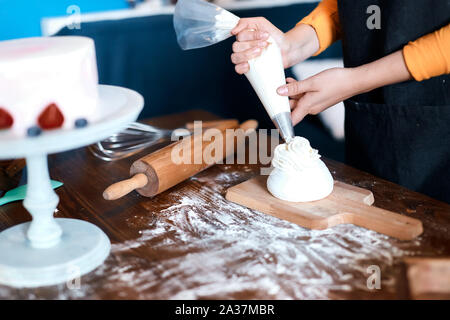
point(326, 25)
point(429, 56)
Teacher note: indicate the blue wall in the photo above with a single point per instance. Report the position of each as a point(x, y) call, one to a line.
point(21, 18)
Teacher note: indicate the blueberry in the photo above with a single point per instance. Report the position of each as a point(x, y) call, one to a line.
point(34, 131)
point(81, 123)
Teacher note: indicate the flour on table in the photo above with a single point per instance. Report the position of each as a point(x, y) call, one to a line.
point(233, 253)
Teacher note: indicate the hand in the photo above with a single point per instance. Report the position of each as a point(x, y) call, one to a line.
point(251, 38)
point(325, 89)
point(297, 45)
point(317, 93)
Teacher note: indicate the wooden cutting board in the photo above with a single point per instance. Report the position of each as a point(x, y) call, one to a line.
point(428, 278)
point(346, 204)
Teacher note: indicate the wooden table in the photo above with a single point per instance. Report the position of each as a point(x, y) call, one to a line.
point(190, 243)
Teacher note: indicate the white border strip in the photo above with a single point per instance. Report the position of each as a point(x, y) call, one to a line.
point(52, 25)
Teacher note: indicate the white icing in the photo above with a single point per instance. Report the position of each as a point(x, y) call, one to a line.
point(299, 175)
point(225, 21)
point(266, 74)
point(35, 72)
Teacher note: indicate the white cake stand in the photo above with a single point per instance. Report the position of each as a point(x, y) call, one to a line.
point(48, 251)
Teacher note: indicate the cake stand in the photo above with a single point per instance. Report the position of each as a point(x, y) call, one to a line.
point(48, 250)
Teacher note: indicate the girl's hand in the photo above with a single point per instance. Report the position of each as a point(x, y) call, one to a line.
point(317, 93)
point(251, 38)
point(331, 86)
point(297, 45)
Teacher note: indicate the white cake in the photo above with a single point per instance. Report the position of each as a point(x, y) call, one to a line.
point(299, 175)
point(47, 83)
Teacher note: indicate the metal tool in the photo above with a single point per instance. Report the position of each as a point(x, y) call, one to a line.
point(283, 122)
point(136, 137)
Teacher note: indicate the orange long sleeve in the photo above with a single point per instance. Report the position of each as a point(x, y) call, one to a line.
point(325, 20)
point(429, 56)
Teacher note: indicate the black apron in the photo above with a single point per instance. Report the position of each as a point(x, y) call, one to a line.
point(399, 132)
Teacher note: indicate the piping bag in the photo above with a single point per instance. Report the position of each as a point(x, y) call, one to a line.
point(200, 24)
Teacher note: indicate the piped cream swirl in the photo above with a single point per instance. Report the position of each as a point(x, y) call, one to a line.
point(295, 155)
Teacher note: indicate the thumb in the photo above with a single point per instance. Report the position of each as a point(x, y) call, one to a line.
point(294, 88)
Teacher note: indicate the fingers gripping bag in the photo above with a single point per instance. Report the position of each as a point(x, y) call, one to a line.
point(200, 24)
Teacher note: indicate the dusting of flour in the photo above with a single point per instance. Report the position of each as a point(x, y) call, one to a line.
point(207, 247)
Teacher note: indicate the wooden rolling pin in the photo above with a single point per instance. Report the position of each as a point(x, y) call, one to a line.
point(157, 171)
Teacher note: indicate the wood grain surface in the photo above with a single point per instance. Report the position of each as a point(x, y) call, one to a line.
point(189, 242)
